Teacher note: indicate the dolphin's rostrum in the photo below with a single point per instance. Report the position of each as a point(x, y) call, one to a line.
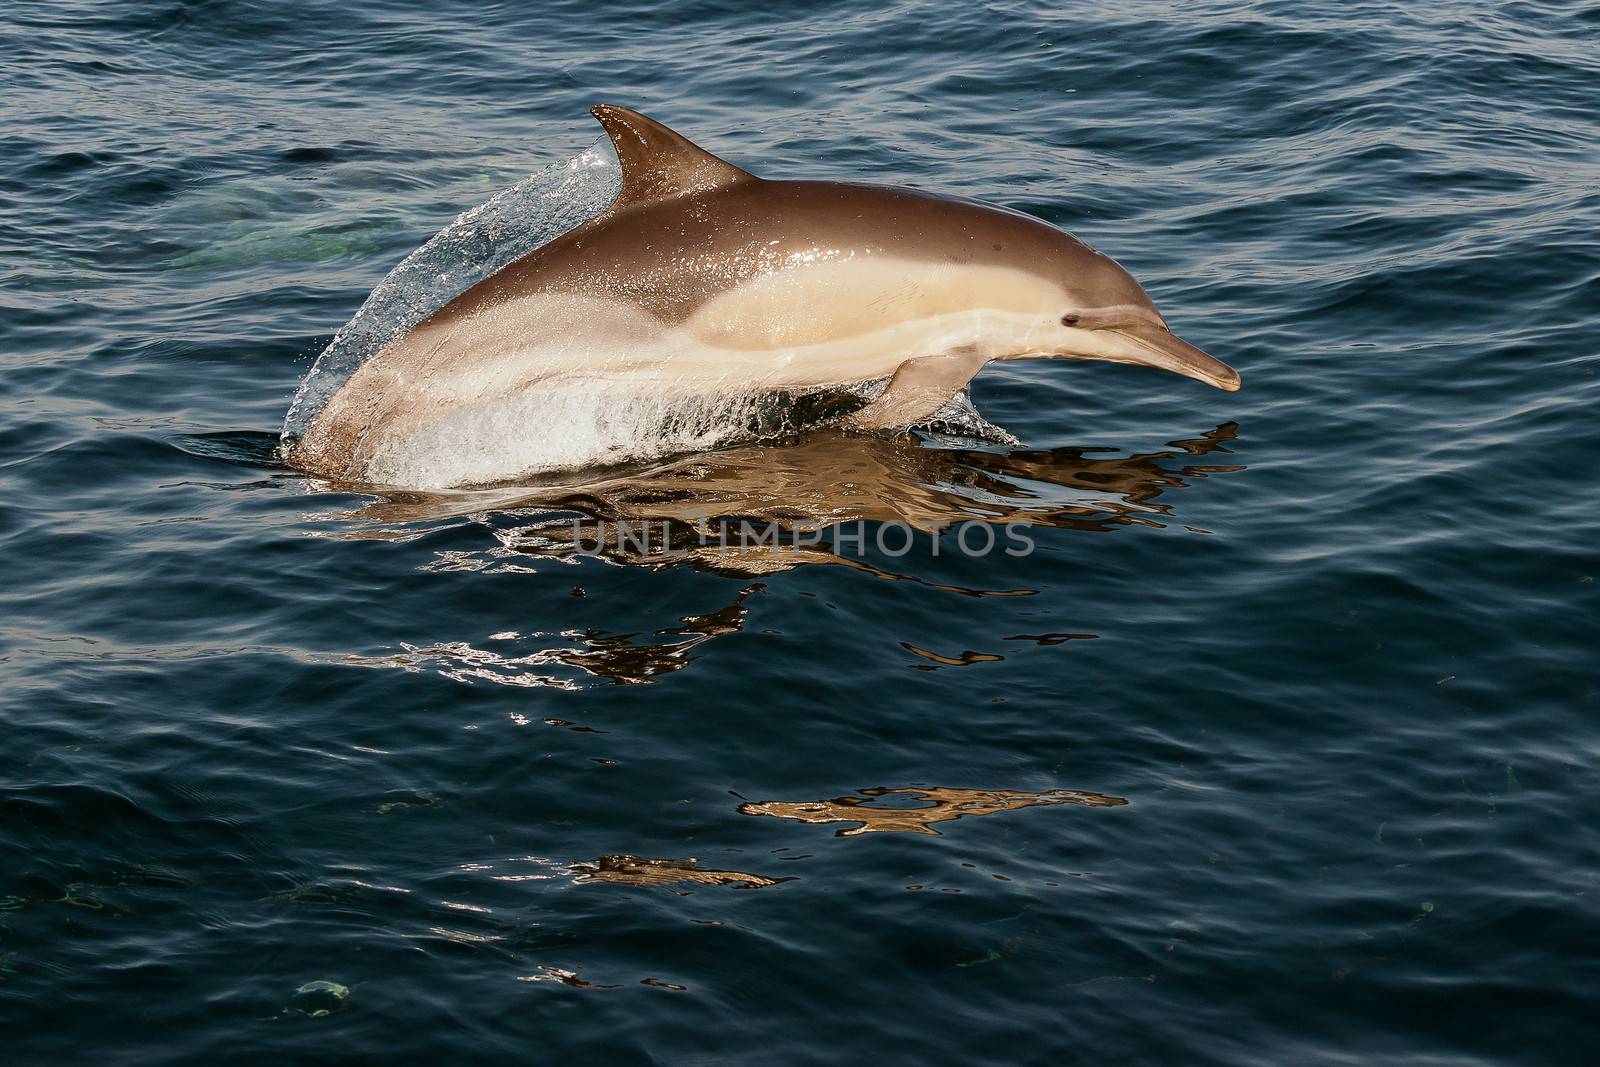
point(702, 279)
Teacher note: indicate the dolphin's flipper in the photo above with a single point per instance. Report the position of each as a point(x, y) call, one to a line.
point(659, 164)
point(919, 388)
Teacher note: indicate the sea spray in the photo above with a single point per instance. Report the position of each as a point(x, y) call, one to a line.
point(508, 226)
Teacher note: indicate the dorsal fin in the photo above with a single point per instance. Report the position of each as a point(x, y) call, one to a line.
point(658, 164)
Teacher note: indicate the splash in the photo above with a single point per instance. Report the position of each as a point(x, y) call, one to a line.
point(576, 426)
point(508, 226)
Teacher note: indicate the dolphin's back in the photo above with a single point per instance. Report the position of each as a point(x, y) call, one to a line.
point(671, 258)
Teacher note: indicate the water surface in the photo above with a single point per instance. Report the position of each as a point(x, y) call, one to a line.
point(1279, 746)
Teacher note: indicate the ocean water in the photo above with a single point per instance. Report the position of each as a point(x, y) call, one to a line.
point(1279, 743)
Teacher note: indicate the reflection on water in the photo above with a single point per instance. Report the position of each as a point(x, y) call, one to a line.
point(819, 498)
point(636, 870)
point(825, 497)
point(932, 805)
point(525, 659)
point(937, 660)
point(570, 978)
point(566, 978)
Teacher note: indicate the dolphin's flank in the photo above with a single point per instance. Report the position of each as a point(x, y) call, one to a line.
point(702, 279)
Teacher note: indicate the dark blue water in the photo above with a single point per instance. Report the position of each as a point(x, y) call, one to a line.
point(1281, 746)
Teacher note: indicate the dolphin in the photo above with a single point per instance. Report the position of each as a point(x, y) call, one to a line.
point(702, 279)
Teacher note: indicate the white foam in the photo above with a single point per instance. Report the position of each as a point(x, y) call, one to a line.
point(562, 425)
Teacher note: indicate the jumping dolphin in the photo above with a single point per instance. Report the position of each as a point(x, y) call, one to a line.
point(702, 279)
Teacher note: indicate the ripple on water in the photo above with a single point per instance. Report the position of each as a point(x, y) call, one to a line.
point(325, 773)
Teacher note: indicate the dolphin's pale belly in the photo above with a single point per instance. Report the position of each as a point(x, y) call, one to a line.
point(546, 379)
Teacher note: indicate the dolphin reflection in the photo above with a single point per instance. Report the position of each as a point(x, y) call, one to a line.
point(645, 871)
point(531, 660)
point(821, 480)
point(679, 513)
point(942, 805)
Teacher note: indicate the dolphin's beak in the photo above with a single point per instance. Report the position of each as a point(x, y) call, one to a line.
point(1154, 346)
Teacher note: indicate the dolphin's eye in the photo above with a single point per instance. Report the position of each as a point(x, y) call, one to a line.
point(1069, 320)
